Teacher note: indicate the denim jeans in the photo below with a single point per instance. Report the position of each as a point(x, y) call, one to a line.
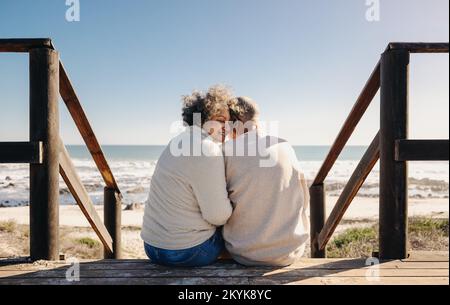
point(201, 255)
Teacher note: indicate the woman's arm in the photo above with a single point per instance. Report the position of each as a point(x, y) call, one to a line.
point(209, 185)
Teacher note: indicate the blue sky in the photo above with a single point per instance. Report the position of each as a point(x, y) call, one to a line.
point(304, 62)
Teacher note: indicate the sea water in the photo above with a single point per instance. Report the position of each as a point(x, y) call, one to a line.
point(133, 167)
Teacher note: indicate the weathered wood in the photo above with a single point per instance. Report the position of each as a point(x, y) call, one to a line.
point(235, 273)
point(44, 178)
point(79, 193)
point(420, 47)
point(352, 187)
point(23, 45)
point(317, 218)
point(337, 265)
point(393, 174)
point(421, 150)
point(21, 152)
point(360, 107)
point(112, 217)
point(130, 281)
point(421, 268)
point(352, 281)
point(235, 281)
point(73, 105)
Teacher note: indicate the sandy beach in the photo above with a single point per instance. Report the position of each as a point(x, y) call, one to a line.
point(362, 213)
point(361, 209)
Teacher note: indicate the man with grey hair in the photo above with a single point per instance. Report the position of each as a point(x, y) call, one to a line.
point(269, 224)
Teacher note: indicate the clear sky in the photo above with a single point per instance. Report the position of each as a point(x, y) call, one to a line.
point(304, 61)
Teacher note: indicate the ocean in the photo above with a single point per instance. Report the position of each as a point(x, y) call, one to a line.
point(133, 167)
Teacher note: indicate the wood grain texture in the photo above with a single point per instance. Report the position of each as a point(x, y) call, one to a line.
point(422, 268)
point(44, 177)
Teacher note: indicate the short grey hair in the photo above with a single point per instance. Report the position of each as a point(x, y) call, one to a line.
point(244, 109)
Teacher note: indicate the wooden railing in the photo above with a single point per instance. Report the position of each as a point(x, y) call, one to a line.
point(48, 157)
point(391, 146)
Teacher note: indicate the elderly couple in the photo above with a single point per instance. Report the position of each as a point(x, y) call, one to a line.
point(203, 204)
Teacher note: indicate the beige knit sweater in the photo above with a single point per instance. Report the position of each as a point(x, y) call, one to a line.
point(269, 224)
point(188, 199)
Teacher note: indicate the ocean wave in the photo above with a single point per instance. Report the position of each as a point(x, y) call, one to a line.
point(427, 180)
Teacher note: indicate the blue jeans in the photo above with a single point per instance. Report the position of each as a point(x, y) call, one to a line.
point(201, 255)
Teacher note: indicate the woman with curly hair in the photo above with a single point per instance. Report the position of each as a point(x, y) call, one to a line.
point(188, 199)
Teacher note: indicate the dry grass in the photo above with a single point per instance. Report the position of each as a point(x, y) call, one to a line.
point(77, 242)
point(426, 234)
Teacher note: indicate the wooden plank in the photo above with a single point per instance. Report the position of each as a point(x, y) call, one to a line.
point(352, 281)
point(421, 150)
point(420, 47)
point(44, 177)
point(357, 179)
point(317, 211)
point(20, 45)
point(360, 107)
point(393, 174)
point(129, 281)
point(328, 264)
point(73, 105)
point(73, 181)
point(235, 273)
point(21, 152)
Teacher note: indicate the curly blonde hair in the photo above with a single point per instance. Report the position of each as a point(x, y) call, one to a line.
point(208, 104)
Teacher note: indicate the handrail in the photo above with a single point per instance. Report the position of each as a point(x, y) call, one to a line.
point(78, 115)
point(47, 66)
point(358, 110)
point(360, 174)
point(404, 150)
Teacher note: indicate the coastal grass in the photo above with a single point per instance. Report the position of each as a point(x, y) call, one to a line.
point(360, 240)
point(428, 234)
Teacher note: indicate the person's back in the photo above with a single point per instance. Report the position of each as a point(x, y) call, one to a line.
point(269, 224)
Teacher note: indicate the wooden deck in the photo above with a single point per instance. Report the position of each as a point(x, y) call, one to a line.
point(424, 268)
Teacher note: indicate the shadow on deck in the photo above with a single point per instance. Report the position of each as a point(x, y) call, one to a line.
point(421, 268)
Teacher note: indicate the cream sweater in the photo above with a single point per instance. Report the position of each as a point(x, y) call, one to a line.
point(269, 225)
point(188, 197)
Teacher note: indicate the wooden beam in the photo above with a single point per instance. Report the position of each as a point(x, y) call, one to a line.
point(360, 107)
point(79, 193)
point(393, 174)
point(420, 47)
point(357, 179)
point(44, 177)
point(76, 110)
point(317, 211)
point(21, 152)
point(23, 45)
point(112, 218)
point(421, 150)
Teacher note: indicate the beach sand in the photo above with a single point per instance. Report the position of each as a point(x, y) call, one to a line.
point(362, 213)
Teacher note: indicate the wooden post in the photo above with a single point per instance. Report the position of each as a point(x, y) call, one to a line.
point(112, 219)
point(317, 215)
point(44, 178)
point(393, 174)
